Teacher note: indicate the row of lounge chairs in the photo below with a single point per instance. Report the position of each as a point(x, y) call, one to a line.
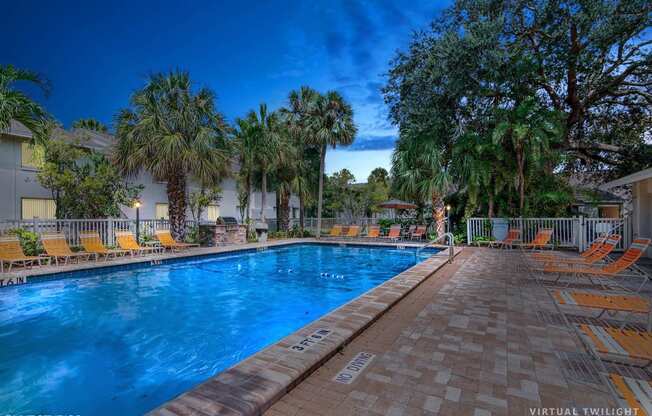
point(395, 232)
point(605, 288)
point(56, 248)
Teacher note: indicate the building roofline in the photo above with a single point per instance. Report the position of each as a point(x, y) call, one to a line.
point(626, 180)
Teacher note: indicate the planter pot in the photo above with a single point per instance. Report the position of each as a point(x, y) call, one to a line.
point(261, 231)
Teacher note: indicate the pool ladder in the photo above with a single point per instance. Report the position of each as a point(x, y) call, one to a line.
point(450, 246)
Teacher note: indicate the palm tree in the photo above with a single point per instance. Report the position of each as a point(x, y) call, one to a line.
point(297, 117)
point(90, 124)
point(265, 146)
point(528, 129)
point(331, 123)
point(420, 174)
point(175, 134)
point(15, 105)
point(245, 138)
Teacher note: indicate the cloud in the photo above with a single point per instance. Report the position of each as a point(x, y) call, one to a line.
point(371, 142)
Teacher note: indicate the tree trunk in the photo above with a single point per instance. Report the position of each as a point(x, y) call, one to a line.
point(520, 162)
point(263, 196)
point(490, 214)
point(250, 186)
point(322, 163)
point(284, 210)
point(176, 190)
point(301, 211)
point(439, 214)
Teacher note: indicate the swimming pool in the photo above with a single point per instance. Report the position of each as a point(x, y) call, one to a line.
point(124, 341)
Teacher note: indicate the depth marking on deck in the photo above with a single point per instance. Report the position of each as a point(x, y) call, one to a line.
point(311, 340)
point(354, 368)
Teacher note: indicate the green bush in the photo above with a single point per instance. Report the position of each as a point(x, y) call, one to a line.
point(28, 240)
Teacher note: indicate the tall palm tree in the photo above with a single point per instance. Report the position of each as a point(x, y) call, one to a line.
point(265, 146)
point(175, 134)
point(331, 124)
point(16, 105)
point(245, 137)
point(90, 124)
point(297, 116)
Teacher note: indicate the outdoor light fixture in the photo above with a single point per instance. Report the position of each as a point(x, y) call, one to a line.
point(137, 205)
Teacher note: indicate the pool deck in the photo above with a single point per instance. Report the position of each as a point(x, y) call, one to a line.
point(468, 341)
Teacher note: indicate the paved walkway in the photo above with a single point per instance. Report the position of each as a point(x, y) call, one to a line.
point(468, 341)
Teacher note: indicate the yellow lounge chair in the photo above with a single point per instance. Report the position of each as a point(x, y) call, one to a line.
point(373, 231)
point(633, 393)
point(56, 247)
point(92, 243)
point(127, 241)
point(167, 241)
point(11, 253)
point(353, 231)
point(597, 255)
point(336, 231)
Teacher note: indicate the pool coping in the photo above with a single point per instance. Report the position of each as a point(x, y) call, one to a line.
point(45, 273)
point(251, 386)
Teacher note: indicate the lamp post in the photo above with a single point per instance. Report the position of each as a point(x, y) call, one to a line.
point(448, 218)
point(137, 206)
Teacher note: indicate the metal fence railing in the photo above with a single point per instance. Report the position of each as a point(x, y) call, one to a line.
point(106, 227)
point(576, 232)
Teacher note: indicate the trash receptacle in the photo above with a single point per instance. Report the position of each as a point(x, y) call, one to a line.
point(261, 231)
point(499, 228)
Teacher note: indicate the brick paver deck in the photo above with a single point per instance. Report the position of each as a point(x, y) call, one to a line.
point(468, 341)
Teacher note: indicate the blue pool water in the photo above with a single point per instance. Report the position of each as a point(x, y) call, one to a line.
point(125, 341)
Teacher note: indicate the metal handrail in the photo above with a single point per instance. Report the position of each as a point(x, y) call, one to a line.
point(450, 246)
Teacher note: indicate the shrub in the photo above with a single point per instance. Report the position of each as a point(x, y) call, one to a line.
point(28, 240)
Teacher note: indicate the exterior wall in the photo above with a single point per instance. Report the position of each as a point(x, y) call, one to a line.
point(16, 182)
point(642, 215)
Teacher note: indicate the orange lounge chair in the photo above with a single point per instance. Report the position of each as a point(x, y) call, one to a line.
point(418, 233)
point(373, 232)
point(633, 393)
point(127, 241)
point(616, 344)
point(598, 254)
point(56, 247)
point(394, 232)
point(167, 241)
point(513, 235)
point(336, 231)
point(92, 243)
point(606, 303)
point(353, 231)
point(541, 240)
point(595, 245)
point(610, 270)
point(11, 253)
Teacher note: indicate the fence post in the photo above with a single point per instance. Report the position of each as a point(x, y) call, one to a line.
point(109, 231)
point(468, 231)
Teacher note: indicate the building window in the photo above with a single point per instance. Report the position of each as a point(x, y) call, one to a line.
point(213, 212)
point(31, 208)
point(162, 211)
point(31, 156)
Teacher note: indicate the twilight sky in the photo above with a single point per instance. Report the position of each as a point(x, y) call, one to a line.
point(97, 53)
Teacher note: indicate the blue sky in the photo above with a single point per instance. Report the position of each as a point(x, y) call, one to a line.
point(97, 53)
